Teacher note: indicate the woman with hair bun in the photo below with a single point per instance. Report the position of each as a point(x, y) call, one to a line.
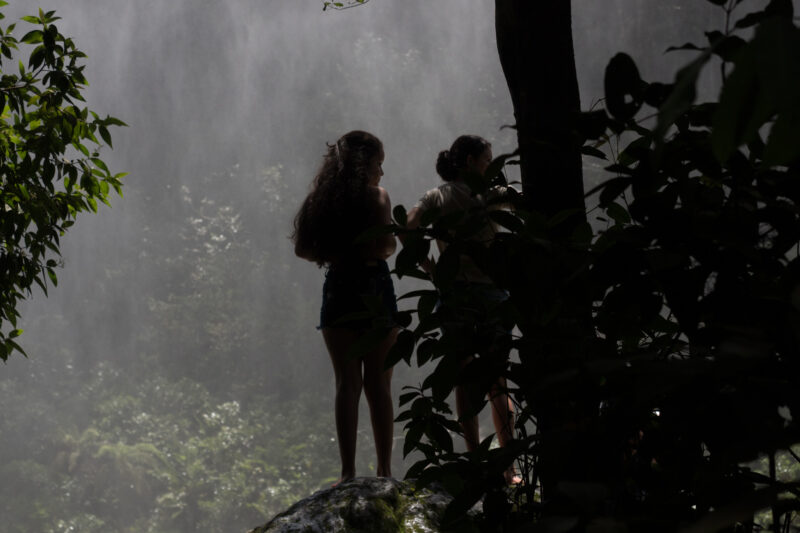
point(345, 200)
point(468, 154)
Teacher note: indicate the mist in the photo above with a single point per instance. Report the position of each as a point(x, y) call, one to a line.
point(189, 282)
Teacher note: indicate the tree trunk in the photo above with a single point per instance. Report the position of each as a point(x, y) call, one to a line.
point(534, 39)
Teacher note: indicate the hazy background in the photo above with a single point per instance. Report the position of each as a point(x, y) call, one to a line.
point(181, 314)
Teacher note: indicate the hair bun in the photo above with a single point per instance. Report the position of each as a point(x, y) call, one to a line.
point(445, 167)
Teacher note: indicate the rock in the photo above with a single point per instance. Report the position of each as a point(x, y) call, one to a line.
point(363, 505)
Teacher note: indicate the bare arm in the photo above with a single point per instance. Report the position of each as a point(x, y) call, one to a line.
point(413, 218)
point(412, 222)
point(386, 244)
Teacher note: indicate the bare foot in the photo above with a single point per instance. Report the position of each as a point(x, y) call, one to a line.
point(343, 479)
point(512, 478)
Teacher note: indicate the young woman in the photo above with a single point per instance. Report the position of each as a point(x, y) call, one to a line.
point(345, 200)
point(468, 154)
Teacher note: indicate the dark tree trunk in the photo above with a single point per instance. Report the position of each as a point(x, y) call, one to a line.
point(534, 39)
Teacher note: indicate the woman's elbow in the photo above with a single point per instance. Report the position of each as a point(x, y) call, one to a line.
point(389, 246)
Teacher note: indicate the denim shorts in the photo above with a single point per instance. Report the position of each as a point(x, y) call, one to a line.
point(465, 310)
point(358, 296)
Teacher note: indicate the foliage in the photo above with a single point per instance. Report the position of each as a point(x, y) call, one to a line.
point(49, 174)
point(688, 371)
point(342, 5)
point(165, 456)
point(192, 416)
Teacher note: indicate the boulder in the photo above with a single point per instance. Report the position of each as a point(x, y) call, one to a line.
point(383, 505)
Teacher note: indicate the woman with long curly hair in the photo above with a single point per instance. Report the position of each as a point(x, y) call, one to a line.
point(358, 295)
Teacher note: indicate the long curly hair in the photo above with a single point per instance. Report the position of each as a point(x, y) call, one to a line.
point(339, 207)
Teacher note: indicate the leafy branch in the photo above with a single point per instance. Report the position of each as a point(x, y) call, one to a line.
point(342, 5)
point(50, 170)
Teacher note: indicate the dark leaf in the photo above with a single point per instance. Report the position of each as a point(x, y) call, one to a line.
point(402, 349)
point(624, 88)
point(687, 46)
point(682, 96)
point(400, 216)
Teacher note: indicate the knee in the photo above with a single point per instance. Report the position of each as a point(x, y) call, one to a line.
point(378, 388)
point(348, 385)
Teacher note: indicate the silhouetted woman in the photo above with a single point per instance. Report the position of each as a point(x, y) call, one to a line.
point(468, 154)
point(344, 201)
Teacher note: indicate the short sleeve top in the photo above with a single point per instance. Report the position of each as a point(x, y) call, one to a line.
point(456, 196)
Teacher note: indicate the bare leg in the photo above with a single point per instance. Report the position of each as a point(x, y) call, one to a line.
point(468, 425)
point(503, 418)
point(348, 392)
point(502, 413)
point(378, 390)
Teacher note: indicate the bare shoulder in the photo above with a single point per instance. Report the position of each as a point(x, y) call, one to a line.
point(381, 196)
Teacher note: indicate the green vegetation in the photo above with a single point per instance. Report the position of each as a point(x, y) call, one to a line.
point(199, 428)
point(49, 174)
point(646, 413)
point(682, 398)
point(164, 456)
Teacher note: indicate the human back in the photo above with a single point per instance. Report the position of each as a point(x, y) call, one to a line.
point(342, 203)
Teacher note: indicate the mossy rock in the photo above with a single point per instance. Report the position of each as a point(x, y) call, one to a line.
point(364, 505)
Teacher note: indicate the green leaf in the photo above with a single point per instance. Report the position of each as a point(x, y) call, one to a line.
point(105, 135)
point(82, 148)
point(32, 37)
point(111, 121)
point(52, 275)
point(100, 164)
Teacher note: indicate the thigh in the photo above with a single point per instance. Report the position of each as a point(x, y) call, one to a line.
point(375, 360)
point(338, 341)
